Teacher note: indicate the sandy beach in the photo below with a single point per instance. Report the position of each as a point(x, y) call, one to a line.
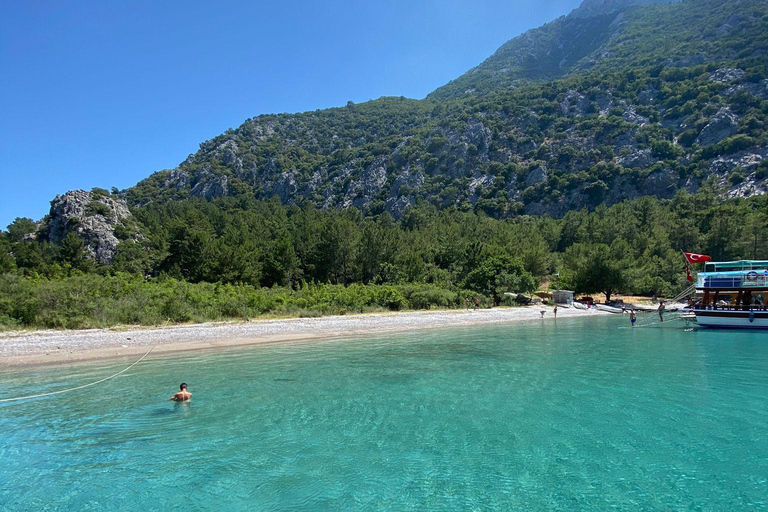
point(52, 347)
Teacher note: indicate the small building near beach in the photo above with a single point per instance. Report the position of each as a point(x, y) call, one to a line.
point(562, 297)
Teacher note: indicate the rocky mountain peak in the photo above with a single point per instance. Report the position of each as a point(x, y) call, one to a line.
point(590, 8)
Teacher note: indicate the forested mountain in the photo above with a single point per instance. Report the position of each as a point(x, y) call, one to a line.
point(595, 147)
point(664, 98)
point(613, 35)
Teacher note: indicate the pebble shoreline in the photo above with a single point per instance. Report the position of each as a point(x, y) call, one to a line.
point(60, 346)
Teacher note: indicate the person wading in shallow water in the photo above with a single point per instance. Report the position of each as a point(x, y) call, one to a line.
point(183, 395)
point(662, 307)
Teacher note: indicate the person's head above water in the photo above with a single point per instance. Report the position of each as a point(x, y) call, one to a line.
point(183, 395)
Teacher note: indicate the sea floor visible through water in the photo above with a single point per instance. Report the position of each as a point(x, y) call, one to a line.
point(577, 414)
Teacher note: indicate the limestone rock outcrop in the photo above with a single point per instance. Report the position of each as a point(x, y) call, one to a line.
point(722, 125)
point(92, 217)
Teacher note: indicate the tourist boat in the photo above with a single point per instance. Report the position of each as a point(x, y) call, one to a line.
point(732, 295)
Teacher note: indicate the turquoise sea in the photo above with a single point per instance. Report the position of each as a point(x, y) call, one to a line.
point(573, 414)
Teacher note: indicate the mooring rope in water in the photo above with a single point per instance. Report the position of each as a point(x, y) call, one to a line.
point(80, 387)
point(29, 397)
point(656, 323)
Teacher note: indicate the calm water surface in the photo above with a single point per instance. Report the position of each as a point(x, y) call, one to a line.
point(579, 414)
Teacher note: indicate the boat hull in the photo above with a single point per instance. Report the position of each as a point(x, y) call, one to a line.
point(643, 308)
point(609, 309)
point(714, 319)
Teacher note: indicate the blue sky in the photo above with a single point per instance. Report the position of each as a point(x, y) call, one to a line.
point(96, 93)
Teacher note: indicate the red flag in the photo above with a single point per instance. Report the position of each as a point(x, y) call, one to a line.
point(697, 258)
point(688, 274)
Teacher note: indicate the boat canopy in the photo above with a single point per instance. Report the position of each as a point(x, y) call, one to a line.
point(719, 266)
point(733, 279)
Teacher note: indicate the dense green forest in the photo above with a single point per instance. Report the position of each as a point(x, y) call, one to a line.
point(240, 258)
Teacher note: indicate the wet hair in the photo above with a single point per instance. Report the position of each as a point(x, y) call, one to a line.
point(183, 386)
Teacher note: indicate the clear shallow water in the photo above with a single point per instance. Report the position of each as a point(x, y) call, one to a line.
point(575, 415)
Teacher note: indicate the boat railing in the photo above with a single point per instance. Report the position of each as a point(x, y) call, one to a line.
point(688, 292)
point(732, 307)
point(722, 282)
point(743, 280)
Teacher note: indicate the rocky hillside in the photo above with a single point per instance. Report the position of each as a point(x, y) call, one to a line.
point(604, 35)
point(619, 99)
point(649, 99)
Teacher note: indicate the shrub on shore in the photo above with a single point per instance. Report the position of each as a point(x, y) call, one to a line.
point(93, 301)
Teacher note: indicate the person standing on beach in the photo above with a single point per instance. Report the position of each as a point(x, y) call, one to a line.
point(466, 302)
point(183, 395)
point(662, 307)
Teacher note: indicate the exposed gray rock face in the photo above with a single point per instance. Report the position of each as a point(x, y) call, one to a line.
point(722, 125)
point(726, 75)
point(92, 218)
point(211, 186)
point(409, 179)
point(747, 160)
point(574, 104)
point(633, 117)
point(286, 187)
point(478, 184)
point(479, 135)
point(369, 182)
point(751, 186)
point(759, 89)
point(397, 206)
point(638, 159)
point(178, 179)
point(227, 152)
point(661, 183)
point(536, 176)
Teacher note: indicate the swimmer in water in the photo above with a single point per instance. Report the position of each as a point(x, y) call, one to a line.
point(183, 395)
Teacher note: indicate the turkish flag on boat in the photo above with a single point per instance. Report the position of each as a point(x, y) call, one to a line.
point(697, 258)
